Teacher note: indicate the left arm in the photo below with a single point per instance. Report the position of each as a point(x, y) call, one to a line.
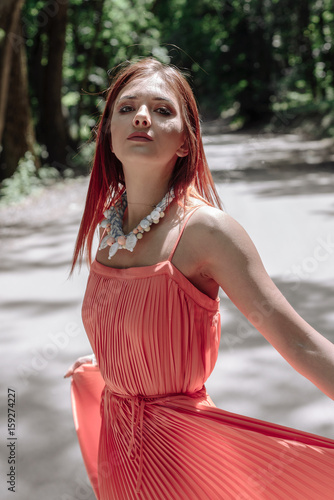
point(233, 262)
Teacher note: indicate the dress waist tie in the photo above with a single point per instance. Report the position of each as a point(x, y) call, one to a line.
point(140, 401)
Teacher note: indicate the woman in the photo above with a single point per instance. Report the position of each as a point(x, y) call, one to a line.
point(151, 312)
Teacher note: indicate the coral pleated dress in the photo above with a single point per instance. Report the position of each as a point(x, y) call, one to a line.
point(146, 426)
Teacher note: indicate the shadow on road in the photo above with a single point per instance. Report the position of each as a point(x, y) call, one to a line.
point(275, 182)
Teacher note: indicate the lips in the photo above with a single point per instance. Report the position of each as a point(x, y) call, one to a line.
point(140, 137)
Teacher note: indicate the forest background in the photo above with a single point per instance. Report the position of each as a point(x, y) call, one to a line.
point(250, 62)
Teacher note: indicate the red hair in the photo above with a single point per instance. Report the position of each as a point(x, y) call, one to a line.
point(191, 174)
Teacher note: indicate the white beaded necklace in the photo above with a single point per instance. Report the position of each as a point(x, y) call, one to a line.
point(113, 224)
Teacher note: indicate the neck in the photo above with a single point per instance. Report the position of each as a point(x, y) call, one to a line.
point(141, 197)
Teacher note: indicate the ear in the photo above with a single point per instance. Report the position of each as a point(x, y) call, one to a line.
point(183, 150)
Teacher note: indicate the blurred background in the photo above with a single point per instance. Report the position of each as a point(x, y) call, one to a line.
point(263, 75)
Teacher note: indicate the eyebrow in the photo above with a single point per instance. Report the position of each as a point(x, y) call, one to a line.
point(157, 98)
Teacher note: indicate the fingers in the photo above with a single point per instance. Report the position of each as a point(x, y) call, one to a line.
point(70, 371)
point(73, 367)
point(80, 361)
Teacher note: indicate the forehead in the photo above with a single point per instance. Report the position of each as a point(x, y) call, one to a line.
point(152, 86)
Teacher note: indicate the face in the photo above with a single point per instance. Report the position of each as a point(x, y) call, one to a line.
point(147, 126)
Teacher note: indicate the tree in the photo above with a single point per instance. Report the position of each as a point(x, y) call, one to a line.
point(16, 128)
point(52, 125)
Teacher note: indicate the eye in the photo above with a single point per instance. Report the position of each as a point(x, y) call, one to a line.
point(126, 109)
point(164, 111)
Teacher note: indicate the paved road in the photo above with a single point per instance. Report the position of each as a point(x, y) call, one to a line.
point(280, 189)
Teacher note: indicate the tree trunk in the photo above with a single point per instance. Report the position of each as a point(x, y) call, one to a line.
point(255, 104)
point(9, 18)
point(53, 125)
point(16, 128)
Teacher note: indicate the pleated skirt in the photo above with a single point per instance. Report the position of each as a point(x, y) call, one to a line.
point(193, 450)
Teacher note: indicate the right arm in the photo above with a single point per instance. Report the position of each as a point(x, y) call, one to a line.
point(90, 358)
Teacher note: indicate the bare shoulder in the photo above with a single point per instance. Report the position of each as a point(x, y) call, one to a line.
point(221, 243)
point(212, 226)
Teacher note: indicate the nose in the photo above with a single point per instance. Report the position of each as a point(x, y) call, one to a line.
point(142, 118)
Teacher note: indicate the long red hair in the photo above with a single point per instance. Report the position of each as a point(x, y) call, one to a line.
point(191, 173)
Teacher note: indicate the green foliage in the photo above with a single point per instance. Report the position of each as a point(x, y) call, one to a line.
point(98, 40)
point(26, 180)
point(244, 51)
point(247, 58)
point(252, 51)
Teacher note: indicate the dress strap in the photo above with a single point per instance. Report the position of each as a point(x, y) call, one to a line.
point(181, 232)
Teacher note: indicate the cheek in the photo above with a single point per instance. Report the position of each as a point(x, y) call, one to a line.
point(112, 130)
point(114, 125)
point(173, 129)
point(113, 137)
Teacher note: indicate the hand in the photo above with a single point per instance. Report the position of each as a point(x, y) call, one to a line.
point(80, 361)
